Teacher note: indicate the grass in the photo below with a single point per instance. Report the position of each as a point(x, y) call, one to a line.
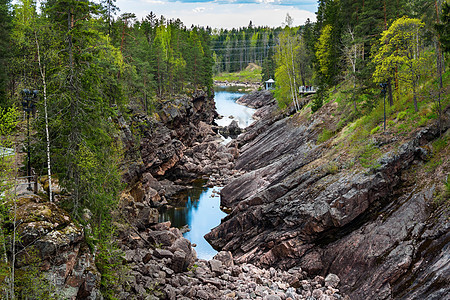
point(368, 156)
point(250, 74)
point(357, 130)
point(436, 160)
point(325, 136)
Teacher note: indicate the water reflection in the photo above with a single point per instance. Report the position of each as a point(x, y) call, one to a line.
point(201, 213)
point(199, 206)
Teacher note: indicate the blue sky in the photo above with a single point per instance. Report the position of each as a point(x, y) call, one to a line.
point(224, 13)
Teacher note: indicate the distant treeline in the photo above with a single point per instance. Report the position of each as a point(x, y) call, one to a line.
point(234, 49)
point(168, 57)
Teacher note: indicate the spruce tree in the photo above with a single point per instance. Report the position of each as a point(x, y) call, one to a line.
point(5, 29)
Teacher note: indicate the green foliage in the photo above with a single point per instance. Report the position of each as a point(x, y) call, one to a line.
point(317, 102)
point(440, 144)
point(401, 115)
point(250, 74)
point(325, 135)
point(292, 66)
point(375, 130)
point(398, 54)
point(234, 49)
point(323, 52)
point(368, 156)
point(5, 29)
point(30, 283)
point(108, 260)
point(444, 28)
point(8, 120)
point(268, 67)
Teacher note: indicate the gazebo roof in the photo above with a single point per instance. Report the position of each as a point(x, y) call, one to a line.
point(270, 81)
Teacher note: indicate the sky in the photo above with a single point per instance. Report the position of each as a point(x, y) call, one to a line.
point(224, 13)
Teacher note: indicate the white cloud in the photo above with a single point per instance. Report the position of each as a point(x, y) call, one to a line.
point(199, 9)
point(154, 1)
point(217, 15)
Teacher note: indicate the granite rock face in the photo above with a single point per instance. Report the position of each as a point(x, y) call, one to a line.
point(371, 227)
point(257, 99)
point(47, 235)
point(168, 151)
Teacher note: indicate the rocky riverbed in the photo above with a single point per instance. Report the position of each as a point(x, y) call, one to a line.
point(164, 263)
point(172, 271)
point(301, 203)
point(304, 222)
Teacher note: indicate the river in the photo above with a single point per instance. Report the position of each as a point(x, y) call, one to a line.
point(201, 211)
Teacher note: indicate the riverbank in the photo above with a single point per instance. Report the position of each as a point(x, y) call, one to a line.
point(164, 264)
point(304, 202)
point(244, 86)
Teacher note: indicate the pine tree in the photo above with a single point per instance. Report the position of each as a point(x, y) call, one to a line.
point(5, 29)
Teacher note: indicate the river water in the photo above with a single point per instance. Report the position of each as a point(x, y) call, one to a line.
point(201, 210)
point(225, 98)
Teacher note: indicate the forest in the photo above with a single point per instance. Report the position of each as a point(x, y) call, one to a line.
point(91, 65)
point(81, 68)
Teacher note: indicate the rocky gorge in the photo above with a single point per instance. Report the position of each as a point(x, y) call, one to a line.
point(164, 264)
point(306, 221)
point(302, 203)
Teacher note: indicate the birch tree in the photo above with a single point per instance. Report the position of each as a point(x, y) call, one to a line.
point(286, 73)
point(400, 47)
point(47, 136)
point(353, 51)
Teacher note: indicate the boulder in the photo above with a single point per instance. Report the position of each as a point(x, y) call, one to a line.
point(48, 235)
point(225, 257)
point(332, 280)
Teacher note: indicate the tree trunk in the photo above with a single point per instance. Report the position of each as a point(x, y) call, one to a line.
point(290, 46)
point(44, 84)
point(416, 108)
point(391, 99)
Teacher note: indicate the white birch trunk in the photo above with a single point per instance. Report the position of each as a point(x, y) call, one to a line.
point(44, 83)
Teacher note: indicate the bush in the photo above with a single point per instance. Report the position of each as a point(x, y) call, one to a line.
point(401, 115)
point(317, 103)
point(325, 135)
point(375, 130)
point(368, 156)
point(332, 168)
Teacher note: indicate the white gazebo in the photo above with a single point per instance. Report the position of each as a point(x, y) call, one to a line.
point(270, 84)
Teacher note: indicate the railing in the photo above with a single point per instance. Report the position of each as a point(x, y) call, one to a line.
point(31, 180)
point(306, 89)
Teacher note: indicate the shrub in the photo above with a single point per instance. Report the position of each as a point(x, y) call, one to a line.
point(401, 115)
point(316, 104)
point(332, 168)
point(325, 135)
point(368, 156)
point(375, 130)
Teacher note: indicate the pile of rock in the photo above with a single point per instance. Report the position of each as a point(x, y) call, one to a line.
point(177, 147)
point(232, 130)
point(170, 270)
